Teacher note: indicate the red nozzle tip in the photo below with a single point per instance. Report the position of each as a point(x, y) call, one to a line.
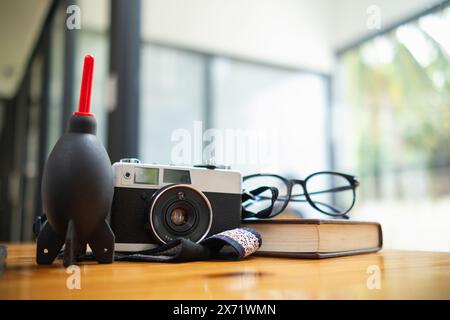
point(84, 105)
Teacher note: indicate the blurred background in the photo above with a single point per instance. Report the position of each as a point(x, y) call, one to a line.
point(281, 86)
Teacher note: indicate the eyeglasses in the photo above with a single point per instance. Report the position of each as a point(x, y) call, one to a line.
point(266, 195)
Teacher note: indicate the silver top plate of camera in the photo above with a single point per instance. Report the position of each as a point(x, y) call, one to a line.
point(130, 173)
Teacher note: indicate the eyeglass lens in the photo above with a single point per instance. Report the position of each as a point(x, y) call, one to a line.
point(330, 193)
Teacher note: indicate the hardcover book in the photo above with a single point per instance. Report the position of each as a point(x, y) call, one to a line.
point(316, 239)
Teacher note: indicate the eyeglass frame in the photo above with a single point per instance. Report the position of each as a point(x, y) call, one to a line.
point(290, 183)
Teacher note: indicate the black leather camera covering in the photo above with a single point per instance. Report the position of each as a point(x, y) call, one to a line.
point(129, 214)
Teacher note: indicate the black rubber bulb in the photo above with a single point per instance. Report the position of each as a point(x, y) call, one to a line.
point(77, 189)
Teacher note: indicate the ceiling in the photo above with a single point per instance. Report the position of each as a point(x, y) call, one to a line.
point(255, 33)
point(21, 22)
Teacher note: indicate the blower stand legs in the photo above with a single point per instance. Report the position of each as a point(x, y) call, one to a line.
point(49, 245)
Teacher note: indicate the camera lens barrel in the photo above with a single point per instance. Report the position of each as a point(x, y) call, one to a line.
point(179, 210)
point(181, 217)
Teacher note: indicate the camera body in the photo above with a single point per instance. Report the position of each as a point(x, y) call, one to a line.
point(154, 204)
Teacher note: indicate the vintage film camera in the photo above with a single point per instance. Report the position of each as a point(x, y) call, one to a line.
point(154, 204)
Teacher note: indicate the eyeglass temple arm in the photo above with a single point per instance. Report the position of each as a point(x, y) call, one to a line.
point(320, 203)
point(344, 188)
point(326, 191)
point(299, 200)
point(254, 196)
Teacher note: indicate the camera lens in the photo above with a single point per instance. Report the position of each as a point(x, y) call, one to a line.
point(181, 217)
point(178, 216)
point(180, 211)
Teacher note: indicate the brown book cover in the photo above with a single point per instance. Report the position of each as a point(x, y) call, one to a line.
point(316, 238)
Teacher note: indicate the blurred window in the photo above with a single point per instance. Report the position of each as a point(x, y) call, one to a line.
point(172, 97)
point(96, 43)
point(56, 80)
point(273, 119)
point(392, 128)
point(262, 117)
point(90, 39)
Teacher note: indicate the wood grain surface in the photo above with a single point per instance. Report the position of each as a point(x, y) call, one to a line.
point(403, 275)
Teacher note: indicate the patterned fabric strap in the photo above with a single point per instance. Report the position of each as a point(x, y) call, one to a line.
point(244, 241)
point(232, 244)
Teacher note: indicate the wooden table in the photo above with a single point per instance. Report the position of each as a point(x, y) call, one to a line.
point(403, 275)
